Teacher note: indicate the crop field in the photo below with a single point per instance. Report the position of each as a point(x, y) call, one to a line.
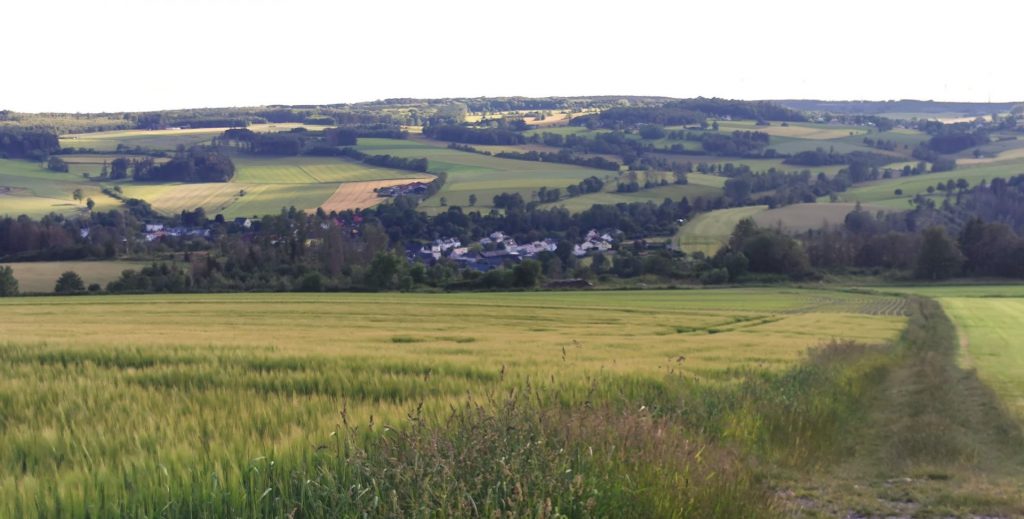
point(882, 192)
point(801, 217)
point(473, 173)
point(40, 277)
point(811, 131)
point(358, 195)
point(708, 232)
point(152, 139)
point(164, 140)
point(169, 199)
point(264, 199)
point(311, 170)
point(144, 398)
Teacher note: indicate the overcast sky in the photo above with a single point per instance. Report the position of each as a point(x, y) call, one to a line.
point(90, 55)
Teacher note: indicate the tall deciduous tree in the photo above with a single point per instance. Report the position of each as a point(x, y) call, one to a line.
point(8, 283)
point(69, 283)
point(939, 257)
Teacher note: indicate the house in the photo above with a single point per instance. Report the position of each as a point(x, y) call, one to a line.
point(412, 189)
point(154, 227)
point(243, 222)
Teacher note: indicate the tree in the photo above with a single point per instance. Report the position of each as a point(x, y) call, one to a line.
point(384, 271)
point(57, 164)
point(119, 168)
point(69, 283)
point(90, 203)
point(8, 283)
point(939, 257)
point(472, 200)
point(77, 195)
point(526, 274)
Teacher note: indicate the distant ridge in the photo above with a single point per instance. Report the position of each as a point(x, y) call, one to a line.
point(900, 106)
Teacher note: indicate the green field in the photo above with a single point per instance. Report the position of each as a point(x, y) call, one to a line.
point(310, 170)
point(990, 324)
point(700, 185)
point(40, 277)
point(31, 189)
point(882, 192)
point(159, 140)
point(708, 232)
point(484, 176)
point(803, 217)
point(151, 139)
point(168, 401)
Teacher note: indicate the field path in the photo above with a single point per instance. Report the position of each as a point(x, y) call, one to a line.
point(362, 195)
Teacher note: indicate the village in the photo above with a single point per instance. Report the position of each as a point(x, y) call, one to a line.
point(498, 249)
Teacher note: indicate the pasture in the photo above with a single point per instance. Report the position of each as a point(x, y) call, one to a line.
point(40, 277)
point(883, 192)
point(802, 217)
point(700, 185)
point(150, 399)
point(31, 189)
point(708, 232)
point(484, 176)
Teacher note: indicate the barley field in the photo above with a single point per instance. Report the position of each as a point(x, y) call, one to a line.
point(201, 404)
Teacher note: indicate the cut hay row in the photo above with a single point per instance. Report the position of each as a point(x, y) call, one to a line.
point(360, 195)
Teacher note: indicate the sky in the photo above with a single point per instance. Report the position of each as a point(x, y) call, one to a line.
point(91, 56)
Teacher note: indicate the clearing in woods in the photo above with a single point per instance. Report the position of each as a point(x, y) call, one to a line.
point(361, 195)
point(802, 217)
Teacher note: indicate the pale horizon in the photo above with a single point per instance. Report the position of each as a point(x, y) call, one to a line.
point(119, 56)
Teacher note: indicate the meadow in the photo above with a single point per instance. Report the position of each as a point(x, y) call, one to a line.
point(29, 188)
point(803, 217)
point(201, 404)
point(708, 232)
point(699, 185)
point(883, 192)
point(484, 176)
point(988, 318)
point(41, 276)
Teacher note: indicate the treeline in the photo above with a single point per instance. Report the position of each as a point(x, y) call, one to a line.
point(822, 157)
point(23, 143)
point(879, 243)
point(562, 157)
point(386, 161)
point(736, 144)
point(687, 112)
point(197, 164)
point(466, 135)
point(276, 143)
